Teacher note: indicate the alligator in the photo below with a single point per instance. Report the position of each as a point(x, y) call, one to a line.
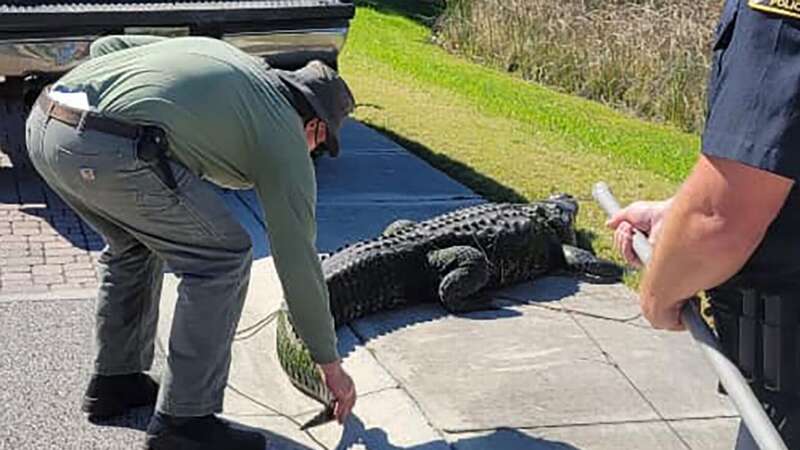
point(454, 258)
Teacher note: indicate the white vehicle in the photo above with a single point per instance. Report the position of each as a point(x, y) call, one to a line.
point(41, 39)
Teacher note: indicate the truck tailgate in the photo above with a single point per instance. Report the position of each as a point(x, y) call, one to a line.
point(28, 15)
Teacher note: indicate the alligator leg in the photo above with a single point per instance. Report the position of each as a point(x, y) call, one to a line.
point(463, 272)
point(398, 225)
point(593, 268)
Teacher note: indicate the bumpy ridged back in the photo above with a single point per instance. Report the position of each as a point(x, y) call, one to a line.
point(373, 275)
point(379, 273)
point(479, 220)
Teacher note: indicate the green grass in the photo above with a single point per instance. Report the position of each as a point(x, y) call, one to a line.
point(503, 137)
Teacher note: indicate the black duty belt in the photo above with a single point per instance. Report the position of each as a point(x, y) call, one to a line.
point(151, 141)
point(761, 333)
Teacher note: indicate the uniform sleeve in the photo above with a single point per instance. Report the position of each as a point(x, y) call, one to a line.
point(111, 44)
point(284, 178)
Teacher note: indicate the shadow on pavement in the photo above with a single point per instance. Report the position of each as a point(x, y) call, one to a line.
point(13, 114)
point(135, 419)
point(356, 435)
point(479, 183)
point(558, 288)
point(21, 188)
point(383, 323)
point(69, 226)
point(274, 441)
point(139, 418)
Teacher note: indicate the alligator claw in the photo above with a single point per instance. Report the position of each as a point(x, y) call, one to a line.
point(591, 267)
point(323, 417)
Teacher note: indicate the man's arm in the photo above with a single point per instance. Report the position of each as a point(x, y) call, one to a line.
point(285, 182)
point(715, 223)
point(284, 179)
point(111, 44)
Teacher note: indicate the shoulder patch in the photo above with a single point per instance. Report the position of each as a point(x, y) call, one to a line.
point(786, 8)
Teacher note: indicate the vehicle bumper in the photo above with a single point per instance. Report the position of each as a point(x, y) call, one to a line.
point(284, 48)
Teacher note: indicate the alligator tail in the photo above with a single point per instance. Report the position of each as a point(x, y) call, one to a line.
point(296, 362)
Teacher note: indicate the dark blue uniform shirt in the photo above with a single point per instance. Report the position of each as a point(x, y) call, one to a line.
point(754, 118)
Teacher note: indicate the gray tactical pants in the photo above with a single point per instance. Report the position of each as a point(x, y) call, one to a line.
point(145, 224)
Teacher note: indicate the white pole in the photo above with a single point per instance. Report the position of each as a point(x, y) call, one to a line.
point(753, 415)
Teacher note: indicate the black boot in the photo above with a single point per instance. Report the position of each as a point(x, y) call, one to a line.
point(109, 396)
point(199, 433)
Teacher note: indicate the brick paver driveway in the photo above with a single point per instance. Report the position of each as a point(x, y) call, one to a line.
point(44, 246)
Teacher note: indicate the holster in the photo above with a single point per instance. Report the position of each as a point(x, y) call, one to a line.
point(151, 148)
point(760, 332)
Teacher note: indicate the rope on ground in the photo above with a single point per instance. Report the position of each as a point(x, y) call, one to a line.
point(625, 320)
point(252, 330)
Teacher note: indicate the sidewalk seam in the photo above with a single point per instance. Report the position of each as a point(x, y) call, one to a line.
point(616, 366)
point(363, 341)
point(277, 413)
point(625, 321)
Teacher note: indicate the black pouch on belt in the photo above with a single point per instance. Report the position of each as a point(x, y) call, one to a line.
point(727, 309)
point(750, 336)
point(152, 147)
point(781, 334)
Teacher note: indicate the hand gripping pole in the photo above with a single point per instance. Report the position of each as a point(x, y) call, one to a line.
point(753, 415)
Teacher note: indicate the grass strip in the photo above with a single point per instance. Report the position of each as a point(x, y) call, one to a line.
point(503, 137)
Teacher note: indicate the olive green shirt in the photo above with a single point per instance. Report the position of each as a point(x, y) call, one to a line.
point(227, 121)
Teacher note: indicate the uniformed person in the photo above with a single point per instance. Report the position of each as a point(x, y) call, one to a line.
point(126, 139)
point(733, 228)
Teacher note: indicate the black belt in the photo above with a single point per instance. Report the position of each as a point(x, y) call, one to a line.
point(81, 119)
point(761, 333)
point(151, 141)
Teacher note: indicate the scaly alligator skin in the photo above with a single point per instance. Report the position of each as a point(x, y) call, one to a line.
point(454, 258)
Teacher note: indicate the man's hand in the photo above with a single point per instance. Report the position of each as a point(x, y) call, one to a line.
point(342, 388)
point(647, 217)
point(714, 224)
point(644, 216)
point(662, 315)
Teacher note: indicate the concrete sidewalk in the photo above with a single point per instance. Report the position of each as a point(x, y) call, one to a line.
point(560, 365)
